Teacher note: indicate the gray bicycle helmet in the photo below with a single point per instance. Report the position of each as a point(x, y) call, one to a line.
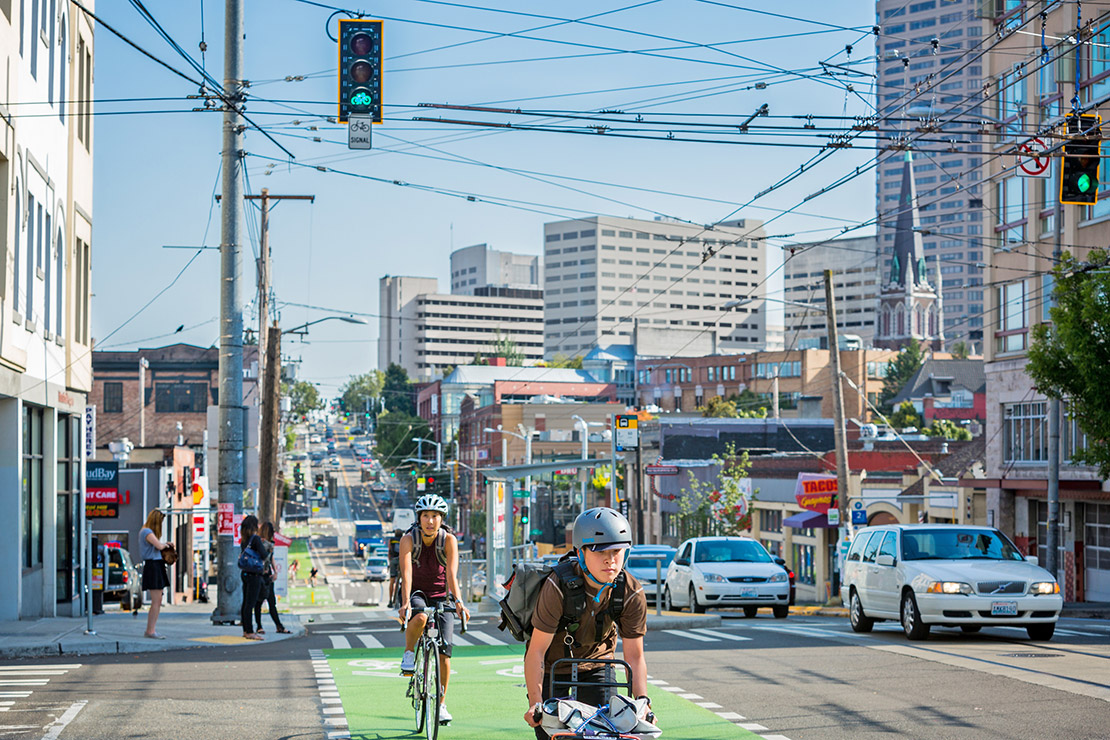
point(430, 502)
point(601, 528)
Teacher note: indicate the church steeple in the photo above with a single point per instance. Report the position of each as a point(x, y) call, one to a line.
point(909, 306)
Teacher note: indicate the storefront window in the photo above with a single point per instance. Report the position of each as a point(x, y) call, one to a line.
point(802, 562)
point(32, 486)
point(69, 501)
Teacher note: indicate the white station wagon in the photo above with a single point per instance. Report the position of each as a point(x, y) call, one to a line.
point(946, 574)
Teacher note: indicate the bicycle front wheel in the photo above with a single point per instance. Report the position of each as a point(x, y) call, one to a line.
point(418, 688)
point(433, 692)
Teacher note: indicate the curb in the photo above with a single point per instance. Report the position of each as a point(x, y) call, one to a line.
point(672, 622)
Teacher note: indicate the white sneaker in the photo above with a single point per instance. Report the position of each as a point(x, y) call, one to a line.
point(408, 662)
point(444, 715)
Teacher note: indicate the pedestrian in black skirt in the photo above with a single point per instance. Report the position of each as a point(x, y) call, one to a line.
point(252, 582)
point(154, 568)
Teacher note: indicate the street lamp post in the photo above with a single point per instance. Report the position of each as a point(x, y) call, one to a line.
point(585, 451)
point(302, 330)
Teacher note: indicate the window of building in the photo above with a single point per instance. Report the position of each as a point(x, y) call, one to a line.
point(31, 494)
point(68, 514)
point(1011, 211)
point(801, 558)
point(1025, 432)
point(113, 397)
point(180, 397)
point(770, 520)
point(1012, 325)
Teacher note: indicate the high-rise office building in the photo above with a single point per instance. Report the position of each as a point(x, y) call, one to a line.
point(428, 333)
point(476, 267)
point(854, 263)
point(605, 275)
point(928, 69)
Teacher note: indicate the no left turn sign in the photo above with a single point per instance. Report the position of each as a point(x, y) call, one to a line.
point(1032, 160)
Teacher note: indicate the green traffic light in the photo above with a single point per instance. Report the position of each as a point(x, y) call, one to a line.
point(1083, 183)
point(361, 99)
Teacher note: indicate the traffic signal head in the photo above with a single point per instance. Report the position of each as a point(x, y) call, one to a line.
point(392, 473)
point(524, 515)
point(1079, 180)
point(360, 69)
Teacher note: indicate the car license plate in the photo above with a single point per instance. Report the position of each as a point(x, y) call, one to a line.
point(1004, 609)
point(748, 593)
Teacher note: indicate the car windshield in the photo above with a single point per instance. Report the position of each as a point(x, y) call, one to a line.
point(640, 560)
point(376, 561)
point(730, 551)
point(957, 544)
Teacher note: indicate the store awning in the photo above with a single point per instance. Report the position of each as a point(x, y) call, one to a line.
point(807, 520)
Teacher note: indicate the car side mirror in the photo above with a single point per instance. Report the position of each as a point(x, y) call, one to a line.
point(1032, 559)
point(885, 560)
point(681, 561)
point(781, 562)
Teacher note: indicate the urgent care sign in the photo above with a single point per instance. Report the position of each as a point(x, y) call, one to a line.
point(102, 489)
point(815, 492)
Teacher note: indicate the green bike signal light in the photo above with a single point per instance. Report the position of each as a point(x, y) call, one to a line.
point(360, 69)
point(1079, 177)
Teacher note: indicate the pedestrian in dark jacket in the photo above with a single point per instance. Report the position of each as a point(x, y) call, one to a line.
point(266, 594)
point(252, 582)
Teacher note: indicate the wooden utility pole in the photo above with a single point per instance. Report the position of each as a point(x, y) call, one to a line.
point(269, 366)
point(839, 434)
point(271, 427)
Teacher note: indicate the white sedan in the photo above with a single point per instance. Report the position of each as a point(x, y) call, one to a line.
point(946, 574)
point(727, 571)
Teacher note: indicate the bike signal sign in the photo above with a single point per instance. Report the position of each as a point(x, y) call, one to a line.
point(1033, 161)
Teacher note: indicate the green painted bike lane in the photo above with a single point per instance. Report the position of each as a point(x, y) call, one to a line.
point(486, 697)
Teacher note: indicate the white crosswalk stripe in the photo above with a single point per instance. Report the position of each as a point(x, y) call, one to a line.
point(370, 641)
point(721, 635)
point(483, 637)
point(12, 676)
point(338, 642)
point(20, 668)
point(691, 635)
point(460, 640)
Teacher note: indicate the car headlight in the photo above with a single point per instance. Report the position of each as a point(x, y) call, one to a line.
point(778, 578)
point(949, 587)
point(713, 578)
point(1044, 587)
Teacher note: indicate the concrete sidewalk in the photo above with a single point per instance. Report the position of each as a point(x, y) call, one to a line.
point(186, 626)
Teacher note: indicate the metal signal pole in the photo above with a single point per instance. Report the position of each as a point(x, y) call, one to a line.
point(231, 462)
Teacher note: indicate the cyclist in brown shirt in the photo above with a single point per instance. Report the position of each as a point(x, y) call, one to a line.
point(601, 537)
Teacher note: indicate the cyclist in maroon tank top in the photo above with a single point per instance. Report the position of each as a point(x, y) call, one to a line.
point(429, 561)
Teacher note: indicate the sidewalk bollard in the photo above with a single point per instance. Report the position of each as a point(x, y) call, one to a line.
point(658, 579)
point(312, 596)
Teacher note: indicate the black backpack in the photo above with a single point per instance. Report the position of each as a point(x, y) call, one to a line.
point(524, 587)
point(440, 544)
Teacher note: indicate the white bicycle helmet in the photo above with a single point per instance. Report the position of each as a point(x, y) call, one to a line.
point(430, 502)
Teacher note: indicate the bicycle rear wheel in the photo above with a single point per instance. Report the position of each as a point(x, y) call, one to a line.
point(433, 691)
point(419, 690)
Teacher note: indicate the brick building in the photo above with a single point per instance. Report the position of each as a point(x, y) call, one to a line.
point(181, 382)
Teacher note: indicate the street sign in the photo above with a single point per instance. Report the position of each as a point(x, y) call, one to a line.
point(661, 469)
point(1032, 160)
point(358, 133)
point(627, 432)
point(102, 489)
point(225, 519)
point(859, 516)
point(833, 515)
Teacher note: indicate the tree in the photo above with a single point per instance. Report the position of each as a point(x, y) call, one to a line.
point(395, 433)
point(504, 346)
point(721, 505)
point(561, 360)
point(905, 416)
point(720, 408)
point(948, 429)
point(749, 405)
point(960, 350)
point(361, 392)
point(303, 397)
point(397, 390)
point(1068, 358)
point(898, 373)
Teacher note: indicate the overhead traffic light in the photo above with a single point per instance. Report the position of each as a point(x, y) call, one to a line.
point(360, 69)
point(1079, 182)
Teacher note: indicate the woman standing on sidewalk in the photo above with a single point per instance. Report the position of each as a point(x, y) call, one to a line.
point(252, 582)
point(266, 595)
point(154, 568)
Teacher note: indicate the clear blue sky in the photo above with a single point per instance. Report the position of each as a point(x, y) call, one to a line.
point(155, 172)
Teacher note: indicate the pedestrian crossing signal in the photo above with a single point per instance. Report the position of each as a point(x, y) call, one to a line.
point(360, 69)
point(1079, 180)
